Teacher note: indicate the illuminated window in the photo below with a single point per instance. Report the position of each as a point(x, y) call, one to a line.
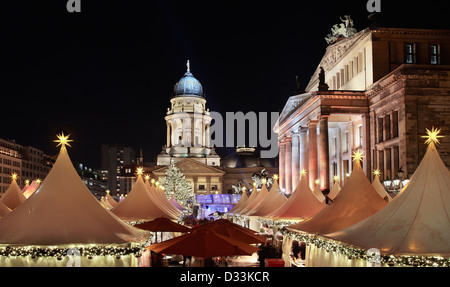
point(434, 54)
point(410, 54)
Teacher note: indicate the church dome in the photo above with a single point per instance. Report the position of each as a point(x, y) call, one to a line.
point(188, 85)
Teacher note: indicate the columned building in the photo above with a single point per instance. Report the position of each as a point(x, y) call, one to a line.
point(188, 125)
point(376, 91)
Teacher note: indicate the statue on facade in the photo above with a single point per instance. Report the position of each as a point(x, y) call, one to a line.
point(342, 30)
point(322, 84)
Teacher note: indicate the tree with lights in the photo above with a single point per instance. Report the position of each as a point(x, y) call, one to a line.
point(176, 185)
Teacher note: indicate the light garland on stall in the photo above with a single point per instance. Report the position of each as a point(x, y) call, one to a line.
point(277, 222)
point(352, 252)
point(88, 251)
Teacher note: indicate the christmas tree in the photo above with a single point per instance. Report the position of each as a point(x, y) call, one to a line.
point(175, 184)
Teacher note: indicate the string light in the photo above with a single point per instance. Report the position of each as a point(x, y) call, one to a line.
point(352, 252)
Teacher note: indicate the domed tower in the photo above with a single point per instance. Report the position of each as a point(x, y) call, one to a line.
point(188, 124)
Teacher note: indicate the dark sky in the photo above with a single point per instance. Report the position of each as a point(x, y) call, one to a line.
point(106, 75)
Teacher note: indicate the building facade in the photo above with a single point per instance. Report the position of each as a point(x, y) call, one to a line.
point(188, 125)
point(376, 91)
point(114, 160)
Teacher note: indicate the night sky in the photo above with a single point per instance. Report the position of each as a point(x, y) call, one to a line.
point(106, 75)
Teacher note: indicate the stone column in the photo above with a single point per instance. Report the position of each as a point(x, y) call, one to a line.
point(312, 156)
point(304, 149)
point(295, 161)
point(169, 134)
point(208, 136)
point(324, 154)
point(281, 165)
point(367, 160)
point(288, 165)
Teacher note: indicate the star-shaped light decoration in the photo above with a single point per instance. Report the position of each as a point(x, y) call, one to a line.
point(38, 181)
point(303, 172)
point(433, 136)
point(358, 156)
point(14, 176)
point(147, 177)
point(275, 177)
point(335, 178)
point(63, 140)
point(377, 172)
point(27, 182)
point(140, 171)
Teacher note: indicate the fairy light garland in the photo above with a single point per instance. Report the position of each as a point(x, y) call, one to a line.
point(88, 251)
point(352, 252)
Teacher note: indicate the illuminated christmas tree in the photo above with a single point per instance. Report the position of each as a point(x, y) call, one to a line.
point(176, 185)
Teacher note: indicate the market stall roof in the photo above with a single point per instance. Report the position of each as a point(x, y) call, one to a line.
point(13, 197)
point(274, 199)
point(64, 211)
point(158, 195)
point(258, 199)
point(334, 191)
point(140, 205)
point(301, 204)
point(242, 202)
point(250, 199)
point(380, 189)
point(416, 221)
point(30, 189)
point(356, 200)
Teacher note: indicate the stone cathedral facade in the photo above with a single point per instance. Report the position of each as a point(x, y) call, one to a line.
point(376, 91)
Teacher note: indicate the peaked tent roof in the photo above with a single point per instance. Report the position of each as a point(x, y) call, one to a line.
point(356, 200)
point(334, 191)
point(318, 193)
point(272, 201)
point(242, 202)
point(301, 204)
point(13, 197)
point(177, 204)
point(4, 209)
point(64, 211)
point(30, 189)
point(416, 221)
point(250, 199)
point(140, 205)
point(380, 189)
point(159, 196)
point(258, 199)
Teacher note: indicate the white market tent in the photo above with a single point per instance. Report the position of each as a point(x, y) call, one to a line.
point(356, 200)
point(252, 203)
point(30, 189)
point(334, 191)
point(242, 202)
point(158, 195)
point(250, 199)
point(380, 189)
point(140, 205)
point(63, 213)
point(13, 197)
point(416, 222)
point(274, 199)
point(177, 204)
point(318, 193)
point(301, 204)
point(4, 209)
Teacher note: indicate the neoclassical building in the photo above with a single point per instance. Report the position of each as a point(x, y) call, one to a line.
point(188, 122)
point(188, 141)
point(376, 91)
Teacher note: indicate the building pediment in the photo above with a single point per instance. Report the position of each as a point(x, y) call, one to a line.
point(191, 166)
point(334, 53)
point(292, 105)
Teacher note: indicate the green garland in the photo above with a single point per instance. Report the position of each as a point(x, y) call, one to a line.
point(88, 251)
point(352, 252)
